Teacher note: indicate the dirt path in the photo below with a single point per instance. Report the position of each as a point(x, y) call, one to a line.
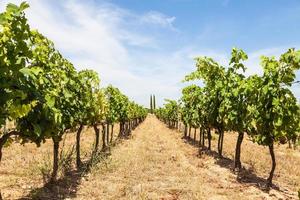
point(157, 164)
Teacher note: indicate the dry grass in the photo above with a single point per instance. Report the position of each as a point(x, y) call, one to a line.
point(22, 166)
point(148, 166)
point(257, 162)
point(157, 164)
point(257, 158)
point(154, 164)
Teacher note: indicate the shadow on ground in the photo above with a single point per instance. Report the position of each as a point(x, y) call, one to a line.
point(244, 176)
point(67, 186)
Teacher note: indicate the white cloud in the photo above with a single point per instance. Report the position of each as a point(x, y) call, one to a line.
point(158, 18)
point(96, 36)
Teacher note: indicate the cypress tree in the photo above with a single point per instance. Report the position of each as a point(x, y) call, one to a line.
point(151, 108)
point(154, 103)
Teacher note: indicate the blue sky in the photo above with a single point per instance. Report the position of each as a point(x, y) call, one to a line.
point(147, 47)
point(225, 23)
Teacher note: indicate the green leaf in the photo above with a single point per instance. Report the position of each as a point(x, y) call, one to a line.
point(24, 5)
point(37, 129)
point(12, 7)
point(50, 100)
point(2, 18)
